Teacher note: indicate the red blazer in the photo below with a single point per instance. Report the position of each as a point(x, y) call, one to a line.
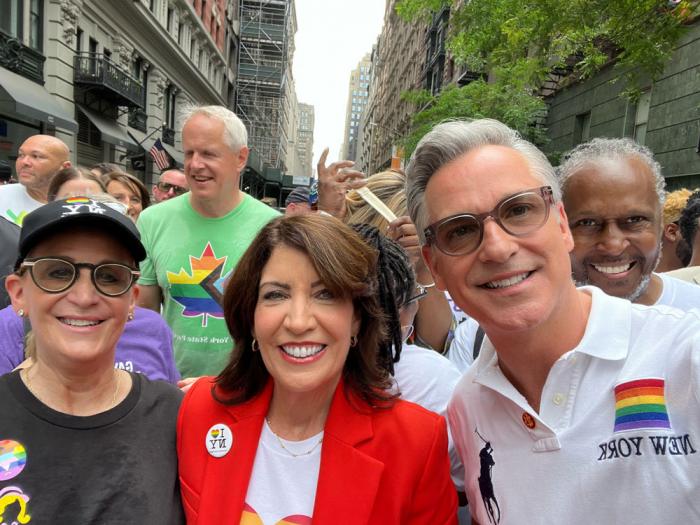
point(378, 466)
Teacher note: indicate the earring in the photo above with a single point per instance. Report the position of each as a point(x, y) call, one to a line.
point(20, 312)
point(254, 345)
point(130, 316)
point(353, 341)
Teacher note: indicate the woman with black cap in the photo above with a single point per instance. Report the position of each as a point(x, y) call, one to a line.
point(81, 441)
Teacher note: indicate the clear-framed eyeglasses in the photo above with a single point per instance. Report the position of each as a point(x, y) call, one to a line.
point(518, 215)
point(56, 275)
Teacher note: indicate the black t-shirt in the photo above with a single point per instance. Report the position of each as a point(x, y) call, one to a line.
point(116, 467)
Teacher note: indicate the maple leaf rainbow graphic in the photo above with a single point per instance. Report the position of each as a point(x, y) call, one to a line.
point(201, 292)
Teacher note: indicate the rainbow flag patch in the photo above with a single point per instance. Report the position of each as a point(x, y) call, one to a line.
point(77, 200)
point(640, 404)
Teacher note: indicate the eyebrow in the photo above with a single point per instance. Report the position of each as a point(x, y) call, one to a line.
point(630, 213)
point(286, 286)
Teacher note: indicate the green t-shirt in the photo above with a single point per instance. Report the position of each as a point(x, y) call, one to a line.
point(190, 257)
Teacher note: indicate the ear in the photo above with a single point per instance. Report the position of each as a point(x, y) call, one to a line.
point(672, 232)
point(66, 164)
point(15, 289)
point(135, 292)
point(355, 326)
point(432, 263)
point(564, 227)
point(242, 158)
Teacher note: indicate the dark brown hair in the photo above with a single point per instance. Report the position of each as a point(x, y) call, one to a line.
point(346, 265)
point(71, 173)
point(130, 182)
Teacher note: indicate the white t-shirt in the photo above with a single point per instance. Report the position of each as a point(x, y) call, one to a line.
point(461, 351)
point(679, 294)
point(428, 379)
point(457, 312)
point(282, 487)
point(15, 203)
point(617, 436)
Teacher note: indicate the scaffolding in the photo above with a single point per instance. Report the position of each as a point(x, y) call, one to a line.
point(267, 32)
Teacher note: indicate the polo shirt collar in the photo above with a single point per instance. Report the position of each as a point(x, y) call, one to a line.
point(606, 336)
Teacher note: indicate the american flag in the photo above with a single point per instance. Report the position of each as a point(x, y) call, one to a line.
point(160, 156)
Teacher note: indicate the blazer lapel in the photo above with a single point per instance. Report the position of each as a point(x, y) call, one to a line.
point(348, 479)
point(227, 478)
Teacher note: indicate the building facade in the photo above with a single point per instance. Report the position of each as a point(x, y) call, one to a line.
point(665, 118)
point(358, 91)
point(396, 65)
point(109, 78)
point(305, 139)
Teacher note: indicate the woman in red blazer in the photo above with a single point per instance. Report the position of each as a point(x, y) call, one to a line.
point(302, 425)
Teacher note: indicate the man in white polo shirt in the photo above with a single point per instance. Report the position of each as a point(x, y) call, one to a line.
point(581, 407)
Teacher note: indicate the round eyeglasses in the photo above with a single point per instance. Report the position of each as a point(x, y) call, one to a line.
point(518, 215)
point(55, 275)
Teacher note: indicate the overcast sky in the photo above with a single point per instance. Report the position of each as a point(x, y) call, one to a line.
point(332, 37)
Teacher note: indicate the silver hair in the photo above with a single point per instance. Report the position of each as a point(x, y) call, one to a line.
point(450, 140)
point(604, 148)
point(235, 134)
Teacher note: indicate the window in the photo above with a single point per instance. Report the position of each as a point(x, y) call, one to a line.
point(107, 53)
point(642, 117)
point(11, 17)
point(35, 24)
point(180, 32)
point(169, 24)
point(582, 128)
point(78, 40)
point(92, 48)
point(169, 112)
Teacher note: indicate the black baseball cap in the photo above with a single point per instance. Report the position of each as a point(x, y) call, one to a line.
point(59, 215)
point(299, 195)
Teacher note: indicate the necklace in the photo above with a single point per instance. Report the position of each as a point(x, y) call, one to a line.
point(29, 387)
point(281, 442)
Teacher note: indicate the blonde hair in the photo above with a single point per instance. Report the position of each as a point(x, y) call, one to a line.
point(675, 202)
point(390, 187)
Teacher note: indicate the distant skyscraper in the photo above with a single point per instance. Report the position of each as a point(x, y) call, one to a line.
point(357, 100)
point(305, 138)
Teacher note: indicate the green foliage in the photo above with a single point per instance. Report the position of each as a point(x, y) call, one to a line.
point(521, 42)
point(517, 109)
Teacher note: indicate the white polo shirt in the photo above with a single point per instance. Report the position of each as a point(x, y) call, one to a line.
point(617, 439)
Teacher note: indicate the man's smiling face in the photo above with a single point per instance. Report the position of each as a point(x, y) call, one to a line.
point(615, 218)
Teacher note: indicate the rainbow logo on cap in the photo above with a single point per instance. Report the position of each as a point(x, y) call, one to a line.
point(77, 200)
point(640, 404)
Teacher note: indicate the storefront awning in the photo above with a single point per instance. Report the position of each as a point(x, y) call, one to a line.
point(141, 139)
point(110, 129)
point(24, 98)
point(175, 154)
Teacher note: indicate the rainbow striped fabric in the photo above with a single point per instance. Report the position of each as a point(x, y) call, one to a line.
point(640, 404)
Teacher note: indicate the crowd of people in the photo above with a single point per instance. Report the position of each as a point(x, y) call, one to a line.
point(484, 338)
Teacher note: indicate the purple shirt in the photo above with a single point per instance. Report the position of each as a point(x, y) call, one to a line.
point(146, 346)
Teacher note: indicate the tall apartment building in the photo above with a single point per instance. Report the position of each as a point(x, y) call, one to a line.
point(305, 139)
point(264, 79)
point(358, 88)
point(397, 65)
point(366, 130)
point(108, 78)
